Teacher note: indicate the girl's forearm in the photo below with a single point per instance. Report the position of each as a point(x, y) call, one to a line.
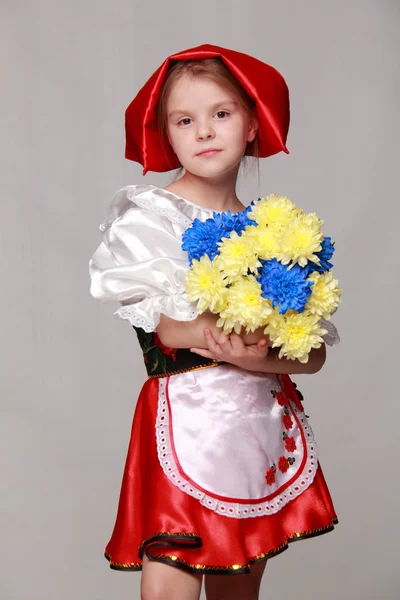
point(190, 334)
point(187, 334)
point(272, 364)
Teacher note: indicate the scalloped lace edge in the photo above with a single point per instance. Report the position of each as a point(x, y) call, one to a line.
point(131, 313)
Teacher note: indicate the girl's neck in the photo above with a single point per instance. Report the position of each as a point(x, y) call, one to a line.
point(217, 195)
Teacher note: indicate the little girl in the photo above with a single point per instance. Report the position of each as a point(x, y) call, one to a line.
point(222, 469)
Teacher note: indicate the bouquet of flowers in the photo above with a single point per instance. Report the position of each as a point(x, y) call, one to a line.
point(267, 266)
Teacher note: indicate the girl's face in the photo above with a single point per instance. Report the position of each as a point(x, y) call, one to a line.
point(203, 115)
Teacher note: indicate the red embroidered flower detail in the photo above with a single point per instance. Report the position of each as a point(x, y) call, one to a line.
point(282, 400)
point(287, 421)
point(283, 464)
point(164, 349)
point(270, 476)
point(290, 444)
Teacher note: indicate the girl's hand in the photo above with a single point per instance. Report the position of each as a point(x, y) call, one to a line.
point(233, 350)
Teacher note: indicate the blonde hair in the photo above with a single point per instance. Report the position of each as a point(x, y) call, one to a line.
point(214, 69)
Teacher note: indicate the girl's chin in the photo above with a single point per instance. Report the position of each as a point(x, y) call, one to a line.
point(212, 171)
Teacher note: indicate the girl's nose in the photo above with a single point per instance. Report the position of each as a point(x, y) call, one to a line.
point(205, 131)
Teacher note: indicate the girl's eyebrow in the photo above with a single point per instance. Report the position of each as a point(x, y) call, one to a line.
point(213, 107)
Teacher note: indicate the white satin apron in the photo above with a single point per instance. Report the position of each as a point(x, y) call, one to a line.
point(218, 432)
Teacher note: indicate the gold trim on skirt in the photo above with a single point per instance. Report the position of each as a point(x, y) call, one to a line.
point(172, 560)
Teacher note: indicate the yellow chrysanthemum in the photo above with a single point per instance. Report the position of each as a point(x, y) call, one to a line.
point(236, 256)
point(265, 241)
point(312, 219)
point(325, 295)
point(229, 323)
point(273, 211)
point(205, 282)
point(295, 333)
point(301, 240)
point(245, 306)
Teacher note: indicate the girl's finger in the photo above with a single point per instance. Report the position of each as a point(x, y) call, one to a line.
point(210, 341)
point(262, 347)
point(237, 343)
point(222, 338)
point(202, 352)
point(224, 342)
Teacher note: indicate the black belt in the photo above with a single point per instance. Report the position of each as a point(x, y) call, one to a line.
point(161, 361)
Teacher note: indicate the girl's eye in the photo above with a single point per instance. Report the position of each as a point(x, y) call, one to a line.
point(184, 121)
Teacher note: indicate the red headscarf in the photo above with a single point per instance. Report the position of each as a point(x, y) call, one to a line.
point(262, 82)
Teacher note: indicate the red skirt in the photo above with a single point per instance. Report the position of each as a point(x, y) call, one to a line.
point(157, 518)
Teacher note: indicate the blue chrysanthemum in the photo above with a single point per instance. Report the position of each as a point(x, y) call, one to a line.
point(202, 237)
point(324, 255)
point(287, 288)
point(234, 221)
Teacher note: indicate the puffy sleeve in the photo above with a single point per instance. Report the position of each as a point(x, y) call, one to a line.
point(140, 263)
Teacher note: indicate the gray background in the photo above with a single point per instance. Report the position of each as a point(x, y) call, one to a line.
point(71, 371)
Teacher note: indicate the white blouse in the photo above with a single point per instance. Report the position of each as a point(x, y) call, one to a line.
point(140, 262)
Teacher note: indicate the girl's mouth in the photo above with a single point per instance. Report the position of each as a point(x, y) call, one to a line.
point(208, 153)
